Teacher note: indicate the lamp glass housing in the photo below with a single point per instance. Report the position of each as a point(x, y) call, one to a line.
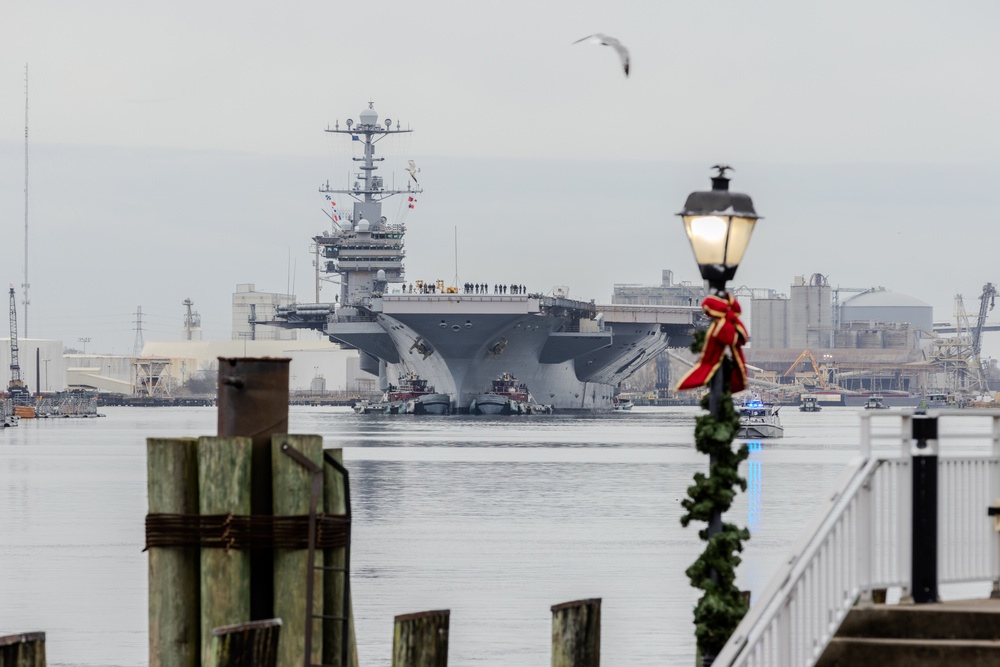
point(718, 242)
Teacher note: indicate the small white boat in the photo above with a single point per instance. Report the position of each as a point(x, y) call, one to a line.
point(810, 403)
point(621, 404)
point(759, 420)
point(876, 403)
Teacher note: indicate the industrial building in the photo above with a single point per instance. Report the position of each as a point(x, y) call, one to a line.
point(846, 342)
point(251, 307)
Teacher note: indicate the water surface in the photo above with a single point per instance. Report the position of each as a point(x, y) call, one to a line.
point(495, 519)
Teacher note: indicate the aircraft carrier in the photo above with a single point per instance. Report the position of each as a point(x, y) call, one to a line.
point(570, 354)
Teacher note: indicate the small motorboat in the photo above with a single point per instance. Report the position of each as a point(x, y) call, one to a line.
point(621, 404)
point(876, 403)
point(810, 403)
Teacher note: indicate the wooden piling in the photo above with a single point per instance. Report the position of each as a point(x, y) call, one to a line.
point(23, 650)
point(224, 488)
point(335, 503)
point(292, 487)
point(421, 639)
point(253, 401)
point(172, 488)
point(576, 633)
point(252, 644)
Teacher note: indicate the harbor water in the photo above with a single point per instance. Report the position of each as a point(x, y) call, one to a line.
point(495, 519)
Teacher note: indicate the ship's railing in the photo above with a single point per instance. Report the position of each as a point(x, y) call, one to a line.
point(862, 538)
point(356, 318)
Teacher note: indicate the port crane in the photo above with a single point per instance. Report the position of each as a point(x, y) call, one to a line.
point(16, 387)
point(806, 354)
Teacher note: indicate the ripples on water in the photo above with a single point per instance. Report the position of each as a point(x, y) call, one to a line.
point(496, 519)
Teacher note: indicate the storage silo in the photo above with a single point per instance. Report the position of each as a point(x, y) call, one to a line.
point(769, 323)
point(810, 314)
point(884, 306)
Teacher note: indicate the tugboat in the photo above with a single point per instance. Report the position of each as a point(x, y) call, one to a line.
point(810, 403)
point(413, 396)
point(507, 397)
point(759, 420)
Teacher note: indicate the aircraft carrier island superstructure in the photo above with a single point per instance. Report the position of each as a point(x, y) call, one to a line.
point(570, 354)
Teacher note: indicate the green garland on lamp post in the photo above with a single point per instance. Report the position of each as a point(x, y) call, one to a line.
point(722, 606)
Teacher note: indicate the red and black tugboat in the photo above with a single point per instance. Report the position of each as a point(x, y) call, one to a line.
point(507, 396)
point(413, 396)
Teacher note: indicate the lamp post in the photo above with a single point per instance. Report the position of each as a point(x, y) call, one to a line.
point(84, 341)
point(718, 224)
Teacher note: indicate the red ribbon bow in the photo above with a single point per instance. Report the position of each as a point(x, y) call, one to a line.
point(727, 331)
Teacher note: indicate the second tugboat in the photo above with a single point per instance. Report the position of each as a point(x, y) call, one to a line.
point(507, 396)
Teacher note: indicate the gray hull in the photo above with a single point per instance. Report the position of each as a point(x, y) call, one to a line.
point(461, 343)
point(755, 431)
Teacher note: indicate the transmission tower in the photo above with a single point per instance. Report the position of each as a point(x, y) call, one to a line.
point(192, 320)
point(137, 347)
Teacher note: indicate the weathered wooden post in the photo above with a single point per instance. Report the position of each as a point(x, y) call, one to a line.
point(421, 639)
point(252, 644)
point(298, 491)
point(172, 486)
point(253, 401)
point(24, 650)
point(224, 493)
point(336, 583)
point(576, 633)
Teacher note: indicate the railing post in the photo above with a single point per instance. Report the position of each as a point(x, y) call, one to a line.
point(995, 493)
point(865, 541)
point(924, 463)
point(866, 436)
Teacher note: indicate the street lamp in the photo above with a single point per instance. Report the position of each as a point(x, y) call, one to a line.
point(718, 224)
point(84, 341)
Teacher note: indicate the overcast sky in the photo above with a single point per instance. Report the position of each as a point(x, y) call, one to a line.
point(176, 148)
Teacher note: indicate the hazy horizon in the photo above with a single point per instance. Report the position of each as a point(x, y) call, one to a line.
point(176, 151)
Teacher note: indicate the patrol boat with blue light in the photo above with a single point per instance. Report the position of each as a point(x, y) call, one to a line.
point(759, 420)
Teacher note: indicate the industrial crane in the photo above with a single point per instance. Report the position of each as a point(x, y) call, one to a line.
point(16, 387)
point(989, 296)
point(806, 354)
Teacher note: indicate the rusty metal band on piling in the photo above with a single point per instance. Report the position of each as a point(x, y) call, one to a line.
point(235, 531)
point(253, 402)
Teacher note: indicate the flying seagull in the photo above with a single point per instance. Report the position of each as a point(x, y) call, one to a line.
point(413, 169)
point(598, 38)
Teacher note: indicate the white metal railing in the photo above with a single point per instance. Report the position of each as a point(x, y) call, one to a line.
point(861, 539)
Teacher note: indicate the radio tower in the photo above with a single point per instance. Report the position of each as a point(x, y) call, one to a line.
point(137, 348)
point(25, 285)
